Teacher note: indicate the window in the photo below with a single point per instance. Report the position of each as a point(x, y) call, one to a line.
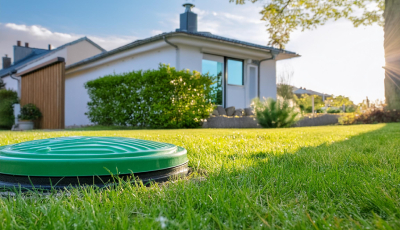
point(235, 71)
point(214, 68)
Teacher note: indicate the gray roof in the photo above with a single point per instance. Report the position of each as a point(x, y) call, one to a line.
point(37, 53)
point(160, 36)
point(300, 91)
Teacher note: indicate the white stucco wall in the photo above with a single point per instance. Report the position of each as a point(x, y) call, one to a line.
point(268, 79)
point(76, 96)
point(190, 58)
point(10, 83)
point(80, 51)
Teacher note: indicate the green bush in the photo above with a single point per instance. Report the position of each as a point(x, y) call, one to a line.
point(7, 99)
point(274, 114)
point(333, 111)
point(164, 98)
point(30, 112)
point(372, 116)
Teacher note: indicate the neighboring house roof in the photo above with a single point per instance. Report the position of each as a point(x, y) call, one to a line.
point(37, 53)
point(160, 36)
point(300, 91)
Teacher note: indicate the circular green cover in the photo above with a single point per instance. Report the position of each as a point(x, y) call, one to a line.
point(88, 156)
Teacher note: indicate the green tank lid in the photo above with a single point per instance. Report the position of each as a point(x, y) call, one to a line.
point(88, 156)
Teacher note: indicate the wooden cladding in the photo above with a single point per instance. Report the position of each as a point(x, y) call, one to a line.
point(45, 88)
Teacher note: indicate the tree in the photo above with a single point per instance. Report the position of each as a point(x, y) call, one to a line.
point(284, 88)
point(285, 16)
point(2, 84)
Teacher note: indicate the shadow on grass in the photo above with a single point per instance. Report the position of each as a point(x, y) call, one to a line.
point(355, 180)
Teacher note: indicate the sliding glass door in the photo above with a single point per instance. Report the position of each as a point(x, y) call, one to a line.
point(214, 65)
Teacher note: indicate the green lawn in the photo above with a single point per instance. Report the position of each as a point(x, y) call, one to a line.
point(337, 177)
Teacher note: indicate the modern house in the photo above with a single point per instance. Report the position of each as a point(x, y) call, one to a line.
point(246, 70)
point(38, 75)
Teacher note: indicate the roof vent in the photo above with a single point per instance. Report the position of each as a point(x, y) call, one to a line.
point(188, 20)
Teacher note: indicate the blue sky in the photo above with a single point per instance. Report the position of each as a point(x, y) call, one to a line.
point(336, 58)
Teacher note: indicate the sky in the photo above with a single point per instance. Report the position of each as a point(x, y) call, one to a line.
point(335, 58)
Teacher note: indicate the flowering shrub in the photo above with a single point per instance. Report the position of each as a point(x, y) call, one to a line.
point(371, 117)
point(164, 98)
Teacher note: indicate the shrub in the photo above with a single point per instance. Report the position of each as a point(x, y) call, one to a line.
point(274, 114)
point(7, 99)
point(30, 112)
point(164, 98)
point(371, 117)
point(333, 110)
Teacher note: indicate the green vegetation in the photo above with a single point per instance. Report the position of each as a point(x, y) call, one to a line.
point(7, 99)
point(30, 112)
point(274, 114)
point(2, 84)
point(163, 98)
point(373, 116)
point(336, 177)
point(283, 17)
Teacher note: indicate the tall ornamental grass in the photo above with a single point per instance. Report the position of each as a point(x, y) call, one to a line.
point(162, 98)
point(272, 113)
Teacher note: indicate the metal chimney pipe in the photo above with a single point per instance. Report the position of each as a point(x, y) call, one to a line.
point(49, 46)
point(188, 7)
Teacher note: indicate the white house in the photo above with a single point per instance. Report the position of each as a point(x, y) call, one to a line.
point(247, 70)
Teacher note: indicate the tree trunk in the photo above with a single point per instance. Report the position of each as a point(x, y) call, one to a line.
point(392, 53)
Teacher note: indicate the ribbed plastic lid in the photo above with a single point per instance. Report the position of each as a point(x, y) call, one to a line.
point(88, 156)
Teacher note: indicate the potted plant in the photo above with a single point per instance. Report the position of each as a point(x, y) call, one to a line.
point(29, 113)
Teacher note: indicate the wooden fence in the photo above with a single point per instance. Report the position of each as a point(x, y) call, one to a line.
point(45, 87)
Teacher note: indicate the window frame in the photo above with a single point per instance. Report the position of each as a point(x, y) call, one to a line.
point(227, 74)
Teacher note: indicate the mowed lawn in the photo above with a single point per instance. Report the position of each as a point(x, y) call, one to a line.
point(332, 177)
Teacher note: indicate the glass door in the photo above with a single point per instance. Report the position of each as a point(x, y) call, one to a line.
point(214, 65)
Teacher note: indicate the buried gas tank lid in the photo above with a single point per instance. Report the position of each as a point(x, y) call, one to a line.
point(88, 156)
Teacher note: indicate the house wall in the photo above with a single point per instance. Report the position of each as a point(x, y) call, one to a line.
point(79, 51)
point(190, 58)
point(268, 79)
point(10, 83)
point(45, 89)
point(76, 96)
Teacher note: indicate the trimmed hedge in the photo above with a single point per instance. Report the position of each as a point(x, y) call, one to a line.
point(7, 99)
point(163, 98)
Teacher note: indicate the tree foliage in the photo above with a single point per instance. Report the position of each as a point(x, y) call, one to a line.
point(285, 16)
point(7, 99)
point(284, 88)
point(2, 84)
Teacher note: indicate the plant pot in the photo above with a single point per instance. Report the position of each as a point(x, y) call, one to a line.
point(25, 125)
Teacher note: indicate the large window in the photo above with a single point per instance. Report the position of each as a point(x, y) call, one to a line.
point(235, 72)
point(214, 69)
